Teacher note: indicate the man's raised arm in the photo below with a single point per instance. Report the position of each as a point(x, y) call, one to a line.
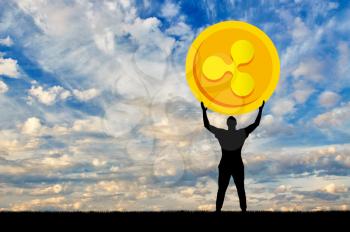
point(206, 120)
point(205, 117)
point(252, 127)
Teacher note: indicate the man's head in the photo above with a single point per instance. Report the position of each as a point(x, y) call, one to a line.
point(231, 123)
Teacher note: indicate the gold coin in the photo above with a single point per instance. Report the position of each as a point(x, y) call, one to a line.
point(232, 67)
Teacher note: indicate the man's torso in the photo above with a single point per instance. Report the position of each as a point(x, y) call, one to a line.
point(231, 143)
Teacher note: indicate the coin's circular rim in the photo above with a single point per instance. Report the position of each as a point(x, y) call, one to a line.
point(192, 51)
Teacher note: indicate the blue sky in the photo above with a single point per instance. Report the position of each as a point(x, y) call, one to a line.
point(90, 92)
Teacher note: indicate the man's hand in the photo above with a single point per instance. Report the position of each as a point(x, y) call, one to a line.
point(203, 107)
point(262, 105)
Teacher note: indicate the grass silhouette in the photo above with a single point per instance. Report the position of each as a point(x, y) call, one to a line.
point(178, 219)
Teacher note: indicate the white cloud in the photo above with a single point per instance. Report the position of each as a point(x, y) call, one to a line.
point(98, 162)
point(188, 192)
point(283, 188)
point(327, 150)
point(343, 66)
point(143, 49)
point(328, 98)
point(55, 162)
point(283, 106)
point(38, 204)
point(206, 207)
point(110, 186)
point(9, 67)
point(302, 91)
point(3, 87)
point(168, 166)
point(336, 117)
point(146, 33)
point(31, 126)
point(54, 189)
point(49, 96)
point(89, 124)
point(300, 31)
point(267, 120)
point(11, 169)
point(122, 117)
point(125, 3)
point(310, 69)
point(333, 188)
point(292, 208)
point(105, 41)
point(301, 95)
point(202, 152)
point(86, 95)
point(13, 142)
point(180, 29)
point(46, 16)
point(6, 41)
point(169, 9)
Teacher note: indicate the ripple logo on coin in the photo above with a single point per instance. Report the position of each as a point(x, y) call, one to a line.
point(232, 67)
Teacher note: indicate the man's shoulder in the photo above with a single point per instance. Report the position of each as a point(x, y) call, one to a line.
point(218, 131)
point(244, 132)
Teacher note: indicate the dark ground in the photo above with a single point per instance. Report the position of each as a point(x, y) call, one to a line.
point(177, 220)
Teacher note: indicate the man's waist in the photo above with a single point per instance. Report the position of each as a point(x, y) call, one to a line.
point(231, 163)
point(233, 151)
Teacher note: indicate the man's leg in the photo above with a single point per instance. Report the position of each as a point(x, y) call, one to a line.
point(239, 182)
point(223, 182)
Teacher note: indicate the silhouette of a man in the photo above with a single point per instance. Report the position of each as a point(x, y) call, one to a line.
point(231, 164)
